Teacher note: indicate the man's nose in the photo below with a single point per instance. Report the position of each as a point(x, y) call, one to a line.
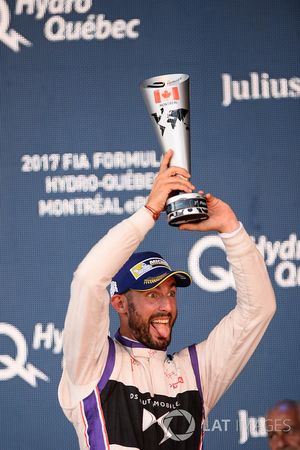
point(165, 303)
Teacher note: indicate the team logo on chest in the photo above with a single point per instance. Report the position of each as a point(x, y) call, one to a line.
point(165, 422)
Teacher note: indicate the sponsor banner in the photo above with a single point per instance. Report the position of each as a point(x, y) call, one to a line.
point(58, 24)
point(283, 256)
point(76, 174)
point(46, 337)
point(259, 86)
point(78, 155)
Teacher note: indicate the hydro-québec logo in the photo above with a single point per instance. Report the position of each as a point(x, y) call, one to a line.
point(284, 256)
point(57, 28)
point(16, 364)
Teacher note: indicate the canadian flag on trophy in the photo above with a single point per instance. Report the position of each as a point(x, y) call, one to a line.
point(167, 101)
point(171, 94)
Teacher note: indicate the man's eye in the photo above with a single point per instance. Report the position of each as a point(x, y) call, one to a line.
point(152, 295)
point(172, 294)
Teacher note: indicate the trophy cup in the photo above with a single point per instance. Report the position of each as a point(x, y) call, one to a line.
point(167, 101)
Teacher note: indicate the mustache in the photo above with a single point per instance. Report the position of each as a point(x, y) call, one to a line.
point(159, 315)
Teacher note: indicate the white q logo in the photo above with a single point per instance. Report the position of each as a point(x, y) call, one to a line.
point(225, 278)
point(17, 366)
point(10, 37)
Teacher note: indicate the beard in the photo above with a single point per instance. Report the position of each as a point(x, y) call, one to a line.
point(141, 329)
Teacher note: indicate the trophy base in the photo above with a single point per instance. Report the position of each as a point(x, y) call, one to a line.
point(186, 208)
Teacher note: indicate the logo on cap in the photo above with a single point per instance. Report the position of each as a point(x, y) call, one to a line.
point(139, 269)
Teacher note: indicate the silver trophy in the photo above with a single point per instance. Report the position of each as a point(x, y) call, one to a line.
point(167, 101)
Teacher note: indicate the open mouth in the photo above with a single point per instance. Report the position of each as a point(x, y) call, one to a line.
point(161, 327)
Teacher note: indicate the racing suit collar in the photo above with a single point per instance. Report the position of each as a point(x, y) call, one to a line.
point(139, 349)
point(128, 342)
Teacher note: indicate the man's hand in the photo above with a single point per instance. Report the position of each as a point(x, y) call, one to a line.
point(221, 218)
point(167, 180)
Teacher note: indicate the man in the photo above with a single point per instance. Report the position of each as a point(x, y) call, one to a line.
point(283, 425)
point(127, 393)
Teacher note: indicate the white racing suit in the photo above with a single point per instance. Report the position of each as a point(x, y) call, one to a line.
point(122, 395)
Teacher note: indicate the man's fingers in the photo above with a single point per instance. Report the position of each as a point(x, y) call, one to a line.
point(174, 170)
point(166, 161)
point(190, 226)
point(198, 226)
point(183, 182)
point(176, 183)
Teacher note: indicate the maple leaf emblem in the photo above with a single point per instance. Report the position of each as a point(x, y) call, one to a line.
point(166, 94)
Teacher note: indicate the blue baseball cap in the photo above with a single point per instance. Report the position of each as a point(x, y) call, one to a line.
point(144, 271)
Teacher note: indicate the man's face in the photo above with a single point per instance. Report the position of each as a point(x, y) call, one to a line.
point(152, 314)
point(283, 427)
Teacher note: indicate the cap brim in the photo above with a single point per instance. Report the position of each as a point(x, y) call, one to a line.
point(183, 279)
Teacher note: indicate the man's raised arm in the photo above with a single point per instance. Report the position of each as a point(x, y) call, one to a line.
point(232, 342)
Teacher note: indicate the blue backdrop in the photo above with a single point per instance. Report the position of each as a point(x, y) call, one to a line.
point(78, 154)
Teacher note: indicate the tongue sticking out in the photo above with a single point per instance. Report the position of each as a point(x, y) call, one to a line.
point(163, 329)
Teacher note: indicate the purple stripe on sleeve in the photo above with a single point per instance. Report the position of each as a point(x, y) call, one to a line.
point(195, 365)
point(110, 362)
point(94, 430)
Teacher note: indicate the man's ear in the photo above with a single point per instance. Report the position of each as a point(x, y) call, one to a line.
point(119, 303)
